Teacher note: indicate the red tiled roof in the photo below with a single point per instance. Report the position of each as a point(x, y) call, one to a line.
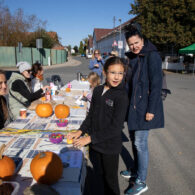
point(110, 31)
point(100, 32)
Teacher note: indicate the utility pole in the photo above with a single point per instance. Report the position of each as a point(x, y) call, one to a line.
point(119, 45)
point(114, 20)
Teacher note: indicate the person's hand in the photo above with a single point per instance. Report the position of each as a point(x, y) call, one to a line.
point(74, 135)
point(45, 87)
point(96, 65)
point(78, 143)
point(99, 58)
point(149, 116)
point(84, 93)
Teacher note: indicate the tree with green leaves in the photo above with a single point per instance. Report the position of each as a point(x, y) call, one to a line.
point(76, 49)
point(48, 40)
point(166, 22)
point(81, 47)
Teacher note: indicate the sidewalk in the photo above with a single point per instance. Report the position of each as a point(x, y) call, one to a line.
point(70, 62)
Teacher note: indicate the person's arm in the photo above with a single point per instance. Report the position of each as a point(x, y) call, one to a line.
point(20, 87)
point(92, 64)
point(115, 127)
point(155, 81)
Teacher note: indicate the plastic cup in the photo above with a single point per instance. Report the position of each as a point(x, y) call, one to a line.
point(23, 113)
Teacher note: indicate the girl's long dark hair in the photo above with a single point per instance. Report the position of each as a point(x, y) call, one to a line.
point(35, 68)
point(113, 60)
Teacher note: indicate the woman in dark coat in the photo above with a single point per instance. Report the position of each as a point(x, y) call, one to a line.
point(145, 107)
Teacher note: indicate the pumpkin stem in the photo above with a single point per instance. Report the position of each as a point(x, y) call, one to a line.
point(2, 148)
point(42, 155)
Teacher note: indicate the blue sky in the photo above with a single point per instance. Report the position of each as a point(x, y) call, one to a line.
point(74, 20)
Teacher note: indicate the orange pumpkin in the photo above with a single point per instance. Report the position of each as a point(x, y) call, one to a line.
point(44, 110)
point(46, 168)
point(62, 111)
point(7, 165)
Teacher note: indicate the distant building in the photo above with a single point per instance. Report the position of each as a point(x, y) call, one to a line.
point(107, 40)
point(90, 45)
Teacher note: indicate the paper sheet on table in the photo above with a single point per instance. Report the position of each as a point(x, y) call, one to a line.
point(77, 112)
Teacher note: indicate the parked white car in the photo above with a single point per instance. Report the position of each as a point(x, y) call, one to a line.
point(89, 55)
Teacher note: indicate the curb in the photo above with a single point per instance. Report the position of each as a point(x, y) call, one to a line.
point(69, 63)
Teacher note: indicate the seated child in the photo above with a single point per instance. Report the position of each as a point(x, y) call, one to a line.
point(37, 73)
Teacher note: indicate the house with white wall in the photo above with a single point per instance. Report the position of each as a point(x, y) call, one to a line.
point(107, 40)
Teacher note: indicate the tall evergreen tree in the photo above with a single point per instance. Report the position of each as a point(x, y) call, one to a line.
point(81, 47)
point(166, 22)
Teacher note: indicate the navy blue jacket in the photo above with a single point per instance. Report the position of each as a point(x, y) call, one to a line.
point(144, 88)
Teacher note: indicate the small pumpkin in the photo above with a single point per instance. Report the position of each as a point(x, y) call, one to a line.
point(46, 168)
point(44, 110)
point(62, 111)
point(7, 165)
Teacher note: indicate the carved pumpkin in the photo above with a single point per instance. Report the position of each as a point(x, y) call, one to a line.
point(62, 111)
point(46, 168)
point(44, 110)
point(7, 165)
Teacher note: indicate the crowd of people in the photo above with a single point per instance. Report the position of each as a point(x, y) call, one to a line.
point(120, 90)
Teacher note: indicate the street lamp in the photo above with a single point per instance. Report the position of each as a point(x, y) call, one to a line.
point(120, 43)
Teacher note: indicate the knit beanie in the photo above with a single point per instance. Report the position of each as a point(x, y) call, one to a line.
point(22, 66)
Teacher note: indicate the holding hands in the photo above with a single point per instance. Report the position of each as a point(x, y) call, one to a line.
point(96, 65)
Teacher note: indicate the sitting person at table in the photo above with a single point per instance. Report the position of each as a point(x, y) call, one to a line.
point(104, 124)
point(37, 73)
point(94, 81)
point(4, 116)
point(20, 91)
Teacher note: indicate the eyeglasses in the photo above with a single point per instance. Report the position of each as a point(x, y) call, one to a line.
point(29, 71)
point(120, 74)
point(96, 53)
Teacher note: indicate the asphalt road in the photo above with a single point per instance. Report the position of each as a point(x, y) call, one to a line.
point(172, 158)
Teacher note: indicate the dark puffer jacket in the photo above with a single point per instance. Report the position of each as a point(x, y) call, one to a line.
point(144, 88)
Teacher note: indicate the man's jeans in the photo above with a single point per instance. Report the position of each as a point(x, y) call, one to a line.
point(139, 140)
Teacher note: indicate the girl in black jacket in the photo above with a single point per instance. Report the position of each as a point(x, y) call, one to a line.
point(104, 124)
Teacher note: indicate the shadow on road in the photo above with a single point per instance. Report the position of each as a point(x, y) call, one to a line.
point(125, 154)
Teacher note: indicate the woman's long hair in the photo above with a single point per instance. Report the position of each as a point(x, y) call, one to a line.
point(96, 50)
